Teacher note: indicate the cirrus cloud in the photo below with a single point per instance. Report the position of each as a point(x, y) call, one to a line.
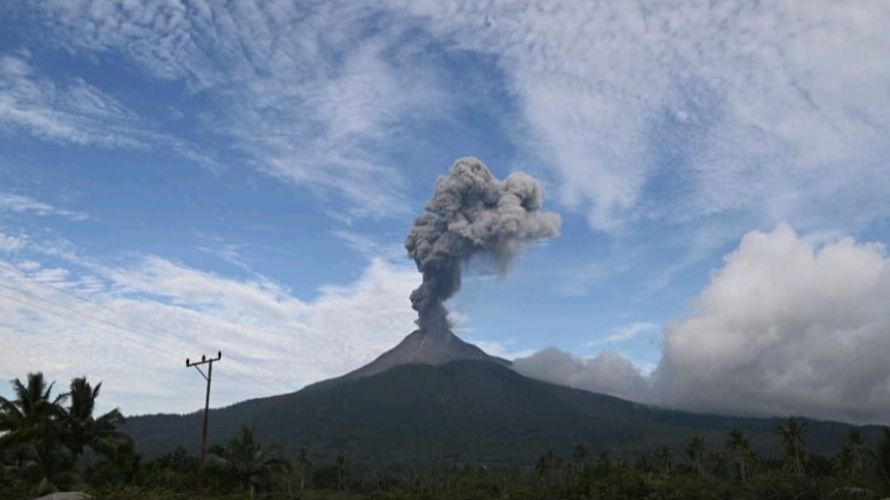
point(644, 116)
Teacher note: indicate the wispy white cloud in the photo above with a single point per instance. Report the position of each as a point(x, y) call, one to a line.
point(641, 115)
point(11, 243)
point(21, 204)
point(577, 279)
point(504, 350)
point(644, 116)
point(133, 324)
point(16, 240)
point(75, 112)
point(316, 94)
point(371, 247)
point(624, 333)
point(227, 251)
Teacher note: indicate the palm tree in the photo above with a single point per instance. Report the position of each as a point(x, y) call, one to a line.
point(82, 429)
point(342, 462)
point(32, 414)
point(854, 456)
point(791, 436)
point(719, 463)
point(662, 459)
point(603, 464)
point(579, 460)
point(305, 464)
point(250, 463)
point(30, 425)
point(559, 467)
point(883, 454)
point(695, 450)
point(48, 469)
point(543, 466)
point(739, 448)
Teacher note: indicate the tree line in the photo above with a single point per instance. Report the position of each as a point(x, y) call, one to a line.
point(54, 443)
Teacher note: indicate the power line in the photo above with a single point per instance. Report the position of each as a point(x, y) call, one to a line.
point(117, 327)
point(59, 315)
point(136, 337)
point(113, 324)
point(81, 299)
point(281, 385)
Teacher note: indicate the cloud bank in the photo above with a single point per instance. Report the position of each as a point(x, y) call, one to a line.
point(608, 372)
point(784, 327)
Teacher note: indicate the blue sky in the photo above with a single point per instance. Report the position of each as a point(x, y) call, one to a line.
point(181, 177)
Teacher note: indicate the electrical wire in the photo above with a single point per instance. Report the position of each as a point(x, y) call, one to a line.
point(237, 375)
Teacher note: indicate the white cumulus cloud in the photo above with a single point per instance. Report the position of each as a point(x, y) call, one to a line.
point(787, 326)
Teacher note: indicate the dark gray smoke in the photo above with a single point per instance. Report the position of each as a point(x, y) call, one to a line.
point(472, 213)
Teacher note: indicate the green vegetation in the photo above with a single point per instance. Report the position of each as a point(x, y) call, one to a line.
point(56, 443)
point(43, 437)
point(248, 463)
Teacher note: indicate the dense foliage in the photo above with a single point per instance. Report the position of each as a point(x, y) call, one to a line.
point(52, 443)
point(43, 437)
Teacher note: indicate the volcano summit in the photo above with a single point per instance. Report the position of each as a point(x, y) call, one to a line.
point(420, 348)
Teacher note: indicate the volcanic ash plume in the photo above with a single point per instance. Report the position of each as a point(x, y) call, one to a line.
point(472, 213)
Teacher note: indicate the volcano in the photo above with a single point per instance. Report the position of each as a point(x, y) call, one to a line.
point(435, 399)
point(434, 348)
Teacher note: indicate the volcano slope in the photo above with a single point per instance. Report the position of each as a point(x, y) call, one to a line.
point(465, 411)
point(420, 348)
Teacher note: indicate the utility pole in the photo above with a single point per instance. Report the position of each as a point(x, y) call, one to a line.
point(209, 362)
